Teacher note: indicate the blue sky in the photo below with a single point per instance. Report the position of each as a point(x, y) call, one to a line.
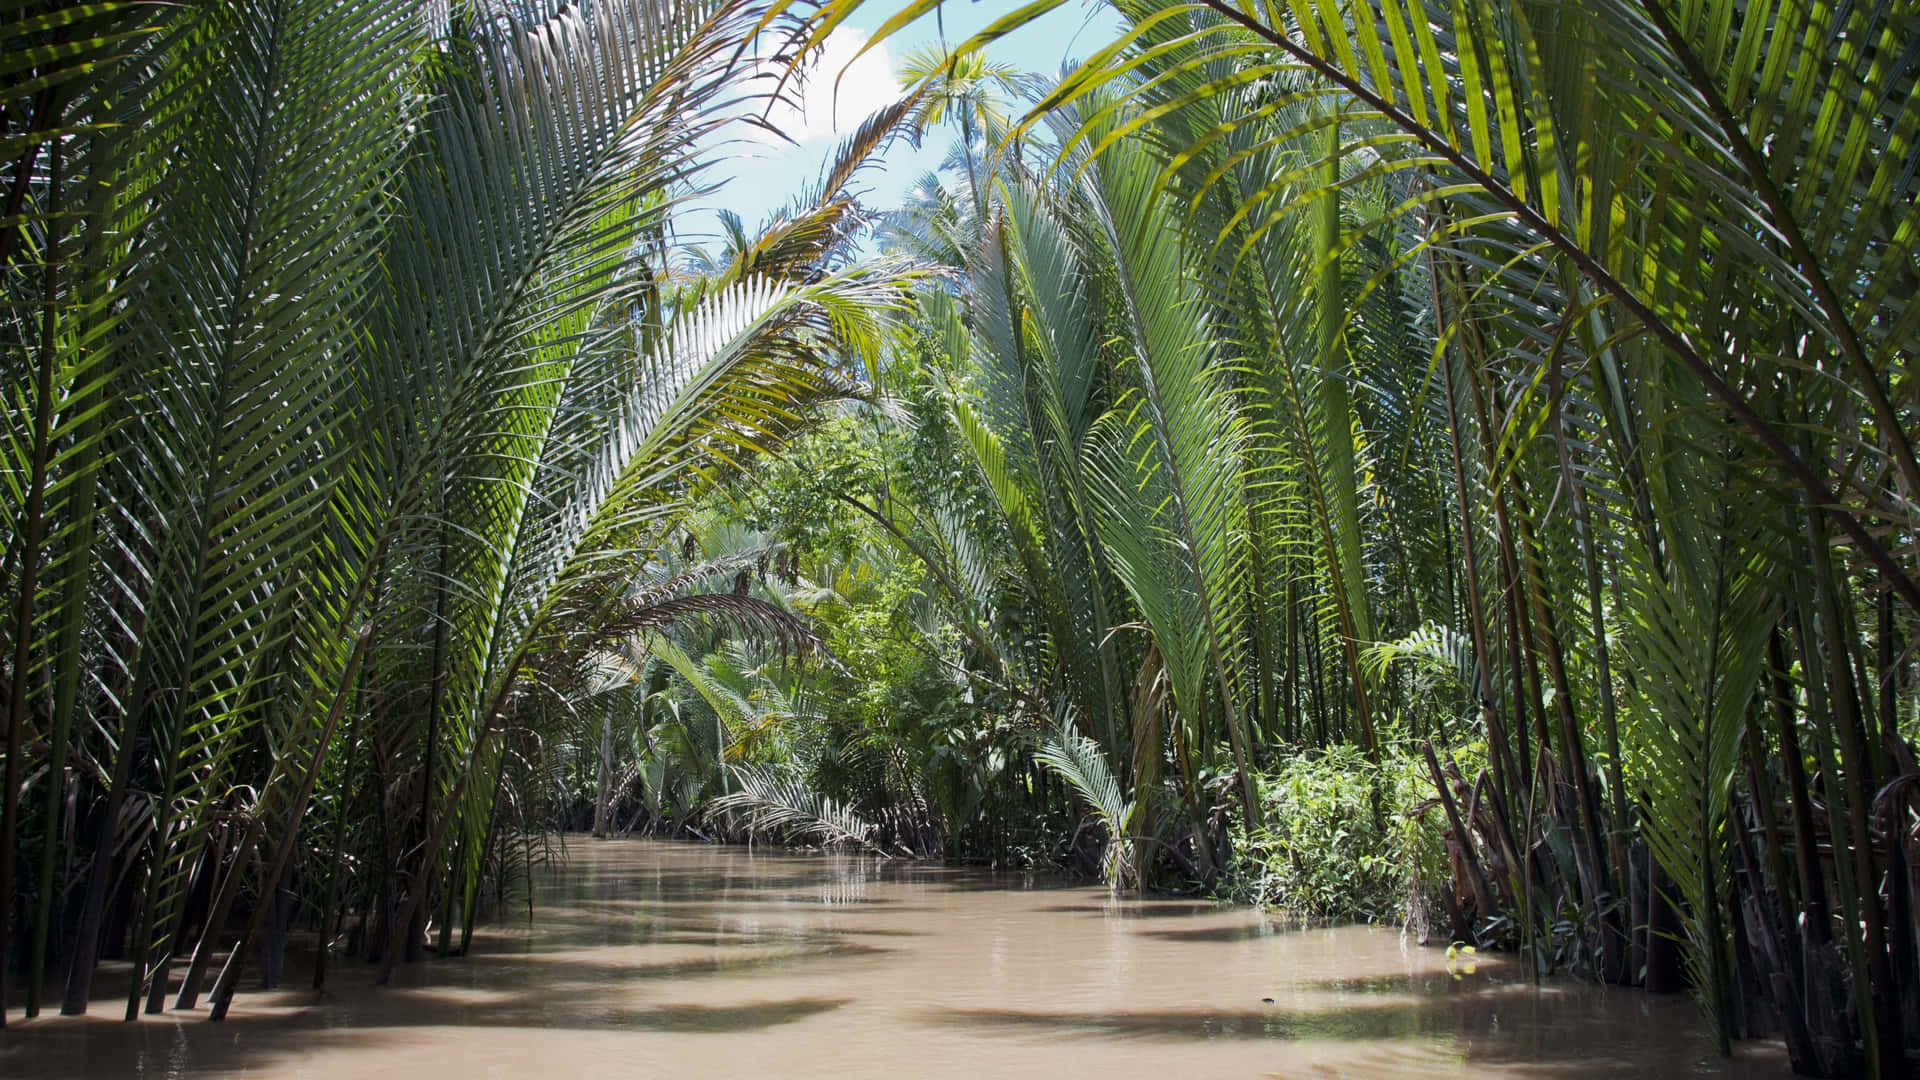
point(760, 173)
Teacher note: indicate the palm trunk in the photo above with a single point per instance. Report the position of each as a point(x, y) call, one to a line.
point(157, 878)
point(276, 869)
point(329, 912)
point(603, 785)
point(1811, 878)
point(1880, 1013)
point(1573, 757)
point(1342, 482)
point(33, 536)
point(1609, 708)
point(245, 855)
point(1500, 754)
point(86, 945)
point(69, 658)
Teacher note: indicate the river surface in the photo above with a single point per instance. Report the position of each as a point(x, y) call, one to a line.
point(651, 959)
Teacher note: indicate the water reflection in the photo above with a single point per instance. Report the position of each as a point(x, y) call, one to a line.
point(659, 959)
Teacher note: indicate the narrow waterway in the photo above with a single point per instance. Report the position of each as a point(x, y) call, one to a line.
point(663, 960)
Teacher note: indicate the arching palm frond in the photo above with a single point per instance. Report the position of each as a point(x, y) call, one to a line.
point(766, 800)
point(1166, 463)
point(1077, 759)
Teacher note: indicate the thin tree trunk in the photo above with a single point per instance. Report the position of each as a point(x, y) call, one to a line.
point(93, 908)
point(1878, 998)
point(69, 658)
point(1476, 877)
point(283, 851)
point(1806, 857)
point(602, 809)
point(328, 917)
point(1500, 750)
point(1573, 757)
point(244, 857)
point(34, 535)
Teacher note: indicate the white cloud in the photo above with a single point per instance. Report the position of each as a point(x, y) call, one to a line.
point(837, 93)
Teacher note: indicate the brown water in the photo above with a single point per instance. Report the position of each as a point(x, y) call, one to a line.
point(650, 959)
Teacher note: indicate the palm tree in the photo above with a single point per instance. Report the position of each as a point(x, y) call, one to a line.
point(354, 393)
point(1569, 332)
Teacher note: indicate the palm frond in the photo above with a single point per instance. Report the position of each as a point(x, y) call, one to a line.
point(767, 800)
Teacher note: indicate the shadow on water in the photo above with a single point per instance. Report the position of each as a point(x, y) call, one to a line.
point(1524, 1032)
point(577, 968)
point(722, 1020)
point(561, 968)
point(262, 1044)
point(1349, 1023)
point(1246, 932)
point(1140, 909)
point(776, 904)
point(574, 1014)
point(971, 881)
point(556, 993)
point(1468, 977)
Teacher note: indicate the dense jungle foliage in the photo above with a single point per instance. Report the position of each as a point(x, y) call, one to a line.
point(1400, 460)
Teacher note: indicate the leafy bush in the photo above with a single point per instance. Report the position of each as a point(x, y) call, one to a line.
point(1341, 838)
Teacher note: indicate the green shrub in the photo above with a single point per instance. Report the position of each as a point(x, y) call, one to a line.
point(1342, 838)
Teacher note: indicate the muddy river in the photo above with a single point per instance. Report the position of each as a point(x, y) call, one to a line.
point(649, 959)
